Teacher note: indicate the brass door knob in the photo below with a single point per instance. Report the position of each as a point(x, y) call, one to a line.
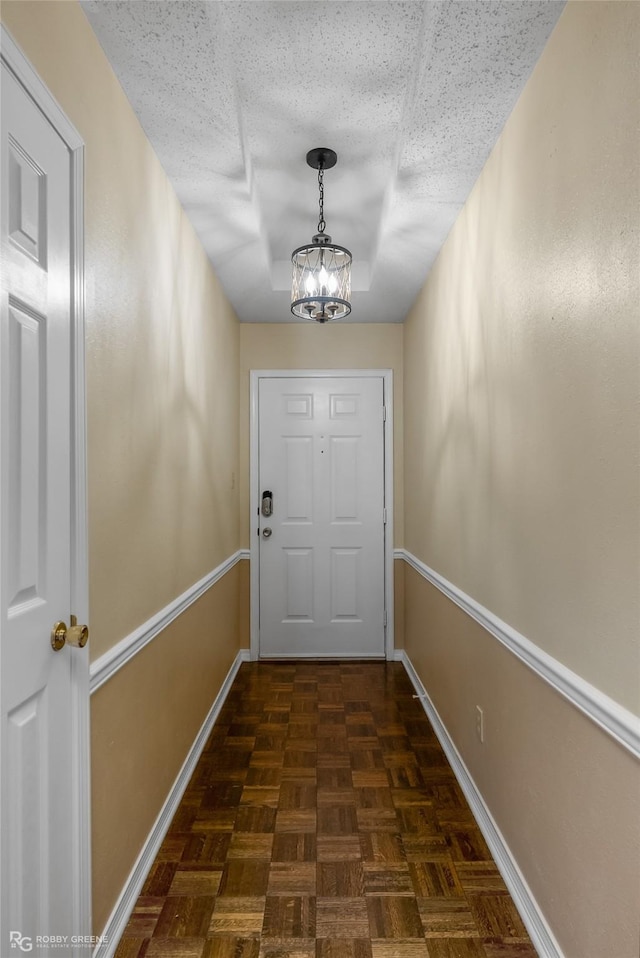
point(78, 636)
point(75, 635)
point(58, 636)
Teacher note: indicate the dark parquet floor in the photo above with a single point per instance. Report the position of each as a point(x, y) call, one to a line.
point(323, 821)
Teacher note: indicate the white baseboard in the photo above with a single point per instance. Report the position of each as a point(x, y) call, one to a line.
point(541, 935)
point(617, 721)
point(321, 656)
point(119, 917)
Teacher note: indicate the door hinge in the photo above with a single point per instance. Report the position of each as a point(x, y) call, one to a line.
point(384, 413)
point(385, 618)
point(384, 517)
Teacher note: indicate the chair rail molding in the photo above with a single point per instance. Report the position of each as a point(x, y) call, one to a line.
point(613, 718)
point(113, 659)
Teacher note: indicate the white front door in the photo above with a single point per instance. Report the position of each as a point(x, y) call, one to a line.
point(39, 826)
point(321, 456)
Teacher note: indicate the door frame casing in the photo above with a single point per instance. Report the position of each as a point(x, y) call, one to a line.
point(255, 376)
point(80, 891)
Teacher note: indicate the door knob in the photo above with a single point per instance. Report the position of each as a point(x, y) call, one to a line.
point(266, 533)
point(58, 636)
point(76, 635)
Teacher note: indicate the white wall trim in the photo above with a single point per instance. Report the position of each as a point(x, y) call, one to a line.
point(80, 543)
point(541, 935)
point(255, 376)
point(613, 718)
point(124, 906)
point(115, 658)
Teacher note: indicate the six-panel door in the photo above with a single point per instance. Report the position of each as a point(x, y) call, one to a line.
point(38, 830)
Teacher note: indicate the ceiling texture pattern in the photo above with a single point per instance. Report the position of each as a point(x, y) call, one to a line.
point(411, 95)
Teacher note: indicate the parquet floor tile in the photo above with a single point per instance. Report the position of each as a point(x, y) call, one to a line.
point(252, 846)
point(288, 949)
point(292, 878)
point(342, 918)
point(289, 917)
point(323, 821)
point(458, 948)
point(341, 879)
point(344, 948)
point(231, 948)
point(388, 878)
point(394, 917)
point(399, 949)
point(184, 917)
point(175, 948)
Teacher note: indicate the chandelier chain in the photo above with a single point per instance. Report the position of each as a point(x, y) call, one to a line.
point(321, 222)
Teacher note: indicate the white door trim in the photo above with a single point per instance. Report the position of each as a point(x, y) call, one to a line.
point(255, 376)
point(15, 60)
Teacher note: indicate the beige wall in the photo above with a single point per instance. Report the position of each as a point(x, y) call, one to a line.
point(521, 365)
point(521, 441)
point(565, 796)
point(315, 346)
point(144, 721)
point(162, 391)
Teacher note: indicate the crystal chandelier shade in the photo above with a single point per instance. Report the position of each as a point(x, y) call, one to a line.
point(321, 287)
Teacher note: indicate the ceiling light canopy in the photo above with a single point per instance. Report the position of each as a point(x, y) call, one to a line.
point(321, 287)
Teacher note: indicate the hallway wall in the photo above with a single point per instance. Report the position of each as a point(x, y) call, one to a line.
point(519, 386)
point(521, 440)
point(162, 351)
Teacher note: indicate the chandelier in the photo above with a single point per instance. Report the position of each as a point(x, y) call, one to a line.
point(321, 287)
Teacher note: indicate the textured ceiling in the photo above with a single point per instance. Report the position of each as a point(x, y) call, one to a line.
point(411, 95)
